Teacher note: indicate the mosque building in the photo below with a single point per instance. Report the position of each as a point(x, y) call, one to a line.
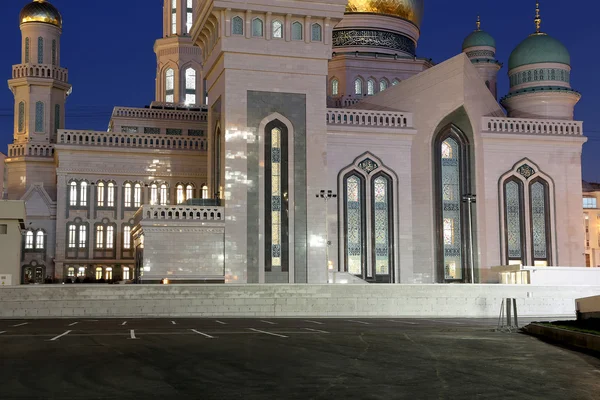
point(300, 142)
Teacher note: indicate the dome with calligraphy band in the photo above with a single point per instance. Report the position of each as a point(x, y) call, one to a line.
point(40, 11)
point(410, 10)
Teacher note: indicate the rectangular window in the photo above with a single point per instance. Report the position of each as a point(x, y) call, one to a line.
point(82, 237)
point(164, 195)
point(81, 271)
point(54, 52)
point(126, 275)
point(190, 16)
point(589, 202)
point(39, 116)
point(56, 118)
point(127, 237)
point(110, 237)
point(174, 132)
point(153, 131)
point(153, 195)
point(72, 236)
point(3, 229)
point(26, 50)
point(129, 129)
point(195, 132)
point(99, 237)
point(21, 116)
point(174, 17)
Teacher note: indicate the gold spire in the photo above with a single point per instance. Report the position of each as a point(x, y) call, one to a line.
point(478, 23)
point(538, 18)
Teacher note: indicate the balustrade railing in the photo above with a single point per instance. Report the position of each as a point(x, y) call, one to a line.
point(180, 212)
point(40, 71)
point(532, 126)
point(30, 150)
point(136, 140)
point(341, 116)
point(162, 114)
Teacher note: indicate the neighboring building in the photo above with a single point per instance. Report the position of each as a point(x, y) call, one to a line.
point(12, 223)
point(2, 175)
point(591, 223)
point(237, 190)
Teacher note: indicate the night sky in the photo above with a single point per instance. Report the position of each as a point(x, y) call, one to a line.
point(108, 48)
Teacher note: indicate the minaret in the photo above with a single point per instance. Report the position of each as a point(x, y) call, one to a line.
point(40, 87)
point(480, 47)
point(539, 71)
point(179, 71)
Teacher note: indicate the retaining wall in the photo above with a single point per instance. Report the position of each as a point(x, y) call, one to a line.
point(78, 300)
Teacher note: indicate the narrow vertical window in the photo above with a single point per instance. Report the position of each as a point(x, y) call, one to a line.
point(110, 195)
point(39, 116)
point(98, 273)
point(382, 228)
point(189, 192)
point(109, 273)
point(164, 195)
point(56, 118)
point(382, 85)
point(40, 50)
point(237, 26)
point(27, 46)
point(73, 193)
point(276, 197)
point(277, 29)
point(257, 27)
point(127, 237)
point(29, 240)
point(370, 87)
point(83, 194)
point(137, 195)
point(153, 194)
point(296, 31)
point(174, 17)
point(451, 209)
point(354, 224)
point(540, 223)
point(110, 236)
point(316, 33)
point(72, 236)
point(82, 236)
point(54, 52)
point(190, 86)
point(126, 273)
point(513, 205)
point(170, 85)
point(127, 195)
point(205, 193)
point(39, 240)
point(99, 237)
point(189, 20)
point(180, 197)
point(21, 116)
point(100, 194)
point(335, 87)
point(358, 86)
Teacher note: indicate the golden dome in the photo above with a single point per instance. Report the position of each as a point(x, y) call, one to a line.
point(41, 11)
point(410, 10)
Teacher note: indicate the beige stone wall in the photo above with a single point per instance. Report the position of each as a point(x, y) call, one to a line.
point(12, 215)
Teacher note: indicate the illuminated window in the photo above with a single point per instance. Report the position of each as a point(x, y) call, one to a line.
point(137, 195)
point(589, 202)
point(82, 237)
point(99, 273)
point(205, 192)
point(100, 194)
point(153, 194)
point(316, 33)
point(21, 116)
point(190, 86)
point(174, 17)
point(189, 21)
point(446, 150)
point(257, 27)
point(109, 273)
point(39, 116)
point(237, 26)
point(189, 192)
point(72, 236)
point(83, 194)
point(127, 237)
point(354, 223)
point(164, 195)
point(296, 31)
point(370, 87)
point(99, 237)
point(40, 50)
point(29, 240)
point(358, 86)
point(81, 271)
point(180, 197)
point(170, 85)
point(73, 193)
point(71, 272)
point(277, 29)
point(127, 195)
point(126, 273)
point(382, 85)
point(39, 240)
point(110, 236)
point(335, 87)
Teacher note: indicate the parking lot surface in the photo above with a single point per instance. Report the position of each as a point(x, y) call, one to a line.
point(346, 358)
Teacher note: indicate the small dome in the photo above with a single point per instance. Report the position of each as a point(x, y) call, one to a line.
point(479, 38)
point(539, 48)
point(40, 11)
point(410, 10)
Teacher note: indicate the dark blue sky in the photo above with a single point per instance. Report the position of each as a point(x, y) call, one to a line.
point(107, 47)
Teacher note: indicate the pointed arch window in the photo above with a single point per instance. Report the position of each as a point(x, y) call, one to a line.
point(39, 116)
point(371, 87)
point(395, 82)
point(237, 26)
point(27, 49)
point(164, 194)
point(205, 192)
point(381, 225)
point(170, 85)
point(39, 240)
point(358, 86)
point(189, 192)
point(190, 86)
point(316, 33)
point(277, 27)
point(296, 31)
point(335, 87)
point(514, 221)
point(180, 194)
point(21, 116)
point(540, 225)
point(29, 240)
point(383, 85)
point(40, 50)
point(257, 27)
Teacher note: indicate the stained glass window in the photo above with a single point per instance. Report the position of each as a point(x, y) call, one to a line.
point(335, 87)
point(451, 212)
point(53, 52)
point(381, 213)
point(316, 33)
point(257, 27)
point(276, 197)
point(354, 224)
point(21, 116)
point(237, 26)
point(277, 29)
point(370, 87)
point(296, 31)
point(26, 50)
point(358, 86)
point(382, 85)
point(40, 50)
point(170, 85)
point(56, 118)
point(539, 211)
point(39, 116)
point(514, 220)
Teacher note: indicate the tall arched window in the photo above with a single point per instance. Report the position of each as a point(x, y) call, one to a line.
point(205, 192)
point(56, 118)
point(383, 85)
point(100, 194)
point(110, 195)
point(170, 85)
point(27, 49)
point(354, 223)
point(72, 236)
point(137, 195)
point(110, 237)
point(371, 87)
point(296, 31)
point(277, 27)
point(218, 166)
point(100, 237)
point(173, 17)
point(189, 20)
point(82, 236)
point(316, 35)
point(40, 50)
point(382, 223)
point(127, 195)
point(190, 86)
point(180, 195)
point(164, 195)
point(39, 240)
point(21, 116)
point(189, 192)
point(257, 27)
point(83, 188)
point(514, 221)
point(237, 26)
point(53, 52)
point(540, 224)
point(127, 237)
point(98, 273)
point(73, 193)
point(335, 87)
point(276, 189)
point(358, 86)
point(153, 194)
point(39, 116)
point(29, 240)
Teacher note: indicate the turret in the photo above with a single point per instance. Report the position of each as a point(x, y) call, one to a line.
point(480, 47)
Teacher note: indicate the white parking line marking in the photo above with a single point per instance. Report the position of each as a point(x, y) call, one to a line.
point(403, 322)
point(132, 334)
point(24, 323)
point(359, 322)
point(268, 322)
point(444, 322)
point(124, 323)
point(221, 322)
point(267, 333)
point(1, 332)
point(174, 323)
point(316, 330)
point(74, 323)
point(313, 322)
point(203, 334)
point(59, 336)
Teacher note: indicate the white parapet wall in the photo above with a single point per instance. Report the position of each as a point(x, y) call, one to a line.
point(548, 276)
point(97, 301)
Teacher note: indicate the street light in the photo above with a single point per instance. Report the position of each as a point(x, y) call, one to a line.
point(471, 199)
point(326, 195)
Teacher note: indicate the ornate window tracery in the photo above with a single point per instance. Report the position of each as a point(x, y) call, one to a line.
point(21, 116)
point(40, 50)
point(237, 26)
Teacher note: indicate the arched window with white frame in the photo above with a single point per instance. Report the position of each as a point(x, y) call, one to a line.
point(205, 192)
point(154, 194)
point(127, 195)
point(189, 192)
point(371, 87)
point(257, 27)
point(237, 26)
point(170, 85)
point(73, 193)
point(190, 86)
point(358, 83)
point(39, 240)
point(277, 29)
point(110, 194)
point(100, 194)
point(29, 238)
point(297, 30)
point(164, 194)
point(335, 87)
point(180, 194)
point(137, 195)
point(83, 193)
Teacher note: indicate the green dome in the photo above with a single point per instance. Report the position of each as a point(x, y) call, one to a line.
point(479, 38)
point(539, 48)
